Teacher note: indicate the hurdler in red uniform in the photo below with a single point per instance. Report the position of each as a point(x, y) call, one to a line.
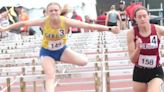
point(143, 45)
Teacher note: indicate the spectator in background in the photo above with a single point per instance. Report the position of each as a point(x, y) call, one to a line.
point(12, 13)
point(130, 11)
point(88, 20)
point(76, 17)
point(122, 12)
point(23, 16)
point(15, 14)
point(101, 19)
point(4, 20)
point(112, 17)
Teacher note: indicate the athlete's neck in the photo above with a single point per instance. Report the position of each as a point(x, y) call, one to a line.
point(145, 28)
point(55, 23)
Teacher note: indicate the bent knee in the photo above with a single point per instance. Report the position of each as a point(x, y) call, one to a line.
point(83, 62)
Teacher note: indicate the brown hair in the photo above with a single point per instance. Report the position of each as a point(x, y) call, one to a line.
point(140, 8)
point(44, 11)
point(65, 10)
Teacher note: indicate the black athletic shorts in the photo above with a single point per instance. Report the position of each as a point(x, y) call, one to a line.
point(141, 74)
point(112, 23)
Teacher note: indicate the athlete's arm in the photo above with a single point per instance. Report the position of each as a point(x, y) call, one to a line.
point(37, 22)
point(75, 23)
point(160, 30)
point(133, 49)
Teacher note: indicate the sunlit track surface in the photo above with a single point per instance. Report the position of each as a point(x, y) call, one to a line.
point(109, 66)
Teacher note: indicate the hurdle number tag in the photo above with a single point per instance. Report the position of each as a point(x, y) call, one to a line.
point(55, 45)
point(154, 40)
point(147, 61)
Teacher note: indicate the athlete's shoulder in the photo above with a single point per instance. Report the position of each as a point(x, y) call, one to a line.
point(130, 31)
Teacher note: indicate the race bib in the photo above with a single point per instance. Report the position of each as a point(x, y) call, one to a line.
point(55, 45)
point(147, 61)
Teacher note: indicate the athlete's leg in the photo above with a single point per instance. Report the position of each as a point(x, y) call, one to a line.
point(49, 68)
point(139, 87)
point(72, 57)
point(154, 85)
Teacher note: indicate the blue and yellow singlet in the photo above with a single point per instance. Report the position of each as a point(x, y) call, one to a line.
point(54, 38)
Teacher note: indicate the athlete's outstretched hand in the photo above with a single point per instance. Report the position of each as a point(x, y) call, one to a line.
point(115, 29)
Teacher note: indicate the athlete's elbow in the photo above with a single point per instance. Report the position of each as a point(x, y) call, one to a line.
point(83, 62)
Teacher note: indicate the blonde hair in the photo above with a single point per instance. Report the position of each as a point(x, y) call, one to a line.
point(54, 3)
point(64, 10)
point(113, 7)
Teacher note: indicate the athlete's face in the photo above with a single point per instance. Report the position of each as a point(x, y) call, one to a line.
point(54, 11)
point(142, 17)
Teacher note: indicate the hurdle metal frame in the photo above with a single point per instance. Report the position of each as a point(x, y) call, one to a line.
point(159, 10)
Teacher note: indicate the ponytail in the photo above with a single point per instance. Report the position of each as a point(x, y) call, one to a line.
point(65, 10)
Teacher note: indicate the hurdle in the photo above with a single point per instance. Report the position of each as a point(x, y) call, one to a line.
point(97, 79)
point(22, 83)
point(31, 66)
point(93, 68)
point(101, 51)
point(108, 89)
point(22, 86)
point(39, 76)
point(159, 10)
point(35, 77)
point(96, 76)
